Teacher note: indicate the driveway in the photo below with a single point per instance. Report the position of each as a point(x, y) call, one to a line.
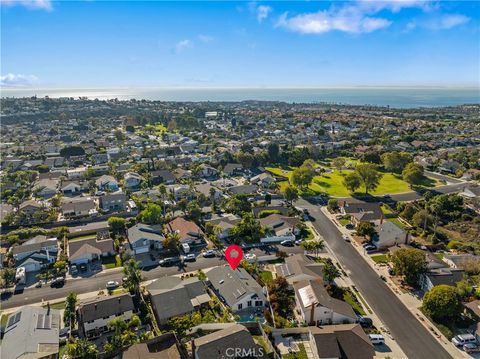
point(413, 338)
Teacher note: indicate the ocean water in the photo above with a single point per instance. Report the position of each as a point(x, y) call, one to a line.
point(393, 97)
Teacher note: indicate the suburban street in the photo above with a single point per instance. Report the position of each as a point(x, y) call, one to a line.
point(412, 337)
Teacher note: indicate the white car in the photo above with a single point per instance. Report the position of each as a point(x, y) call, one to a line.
point(250, 257)
point(111, 284)
point(345, 238)
point(208, 254)
point(190, 258)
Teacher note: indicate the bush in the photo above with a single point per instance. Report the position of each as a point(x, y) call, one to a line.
point(267, 212)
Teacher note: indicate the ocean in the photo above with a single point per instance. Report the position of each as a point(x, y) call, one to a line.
point(393, 97)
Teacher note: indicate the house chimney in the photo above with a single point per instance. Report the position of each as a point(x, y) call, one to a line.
point(312, 313)
point(381, 219)
point(406, 237)
point(48, 308)
point(344, 203)
point(95, 306)
point(193, 348)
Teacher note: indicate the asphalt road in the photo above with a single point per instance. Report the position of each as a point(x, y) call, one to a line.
point(97, 282)
point(411, 335)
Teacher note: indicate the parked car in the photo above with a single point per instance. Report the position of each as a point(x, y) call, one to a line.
point(190, 258)
point(376, 339)
point(462, 339)
point(365, 322)
point(366, 244)
point(208, 254)
point(471, 348)
point(83, 267)
point(350, 226)
point(169, 261)
point(73, 269)
point(287, 243)
point(250, 257)
point(298, 242)
point(57, 282)
point(370, 247)
point(345, 238)
point(111, 284)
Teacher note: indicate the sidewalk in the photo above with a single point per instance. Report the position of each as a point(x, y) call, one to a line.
point(410, 301)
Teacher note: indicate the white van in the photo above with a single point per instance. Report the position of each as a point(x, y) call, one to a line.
point(461, 339)
point(376, 339)
point(186, 248)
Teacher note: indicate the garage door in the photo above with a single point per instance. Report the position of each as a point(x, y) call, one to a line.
point(141, 250)
point(79, 261)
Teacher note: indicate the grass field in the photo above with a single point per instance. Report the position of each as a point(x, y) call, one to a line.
point(350, 298)
point(397, 222)
point(332, 183)
point(58, 306)
point(266, 276)
point(302, 354)
point(381, 258)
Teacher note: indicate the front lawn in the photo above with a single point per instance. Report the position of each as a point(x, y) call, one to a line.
point(344, 221)
point(59, 306)
point(350, 298)
point(112, 261)
point(397, 222)
point(381, 258)
point(86, 236)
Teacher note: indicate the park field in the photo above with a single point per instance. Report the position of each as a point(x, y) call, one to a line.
point(332, 183)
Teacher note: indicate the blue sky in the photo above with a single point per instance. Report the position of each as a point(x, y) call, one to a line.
point(239, 44)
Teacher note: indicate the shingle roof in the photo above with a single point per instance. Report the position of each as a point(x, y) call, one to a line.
point(186, 229)
point(145, 231)
point(100, 307)
point(298, 268)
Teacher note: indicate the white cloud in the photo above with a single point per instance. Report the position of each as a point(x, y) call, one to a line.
point(183, 45)
point(262, 12)
point(448, 21)
point(29, 4)
point(346, 20)
point(18, 80)
point(205, 38)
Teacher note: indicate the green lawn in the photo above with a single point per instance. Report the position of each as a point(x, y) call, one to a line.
point(344, 221)
point(381, 258)
point(261, 341)
point(112, 261)
point(302, 354)
point(266, 276)
point(386, 209)
point(332, 183)
point(4, 320)
point(350, 298)
point(86, 236)
point(59, 306)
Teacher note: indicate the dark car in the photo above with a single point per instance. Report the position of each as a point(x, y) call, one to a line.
point(57, 282)
point(365, 322)
point(83, 267)
point(169, 261)
point(350, 226)
point(287, 243)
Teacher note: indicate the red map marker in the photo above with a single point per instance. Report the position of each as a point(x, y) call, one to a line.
point(234, 255)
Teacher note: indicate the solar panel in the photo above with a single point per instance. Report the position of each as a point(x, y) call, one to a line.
point(307, 296)
point(47, 323)
point(40, 321)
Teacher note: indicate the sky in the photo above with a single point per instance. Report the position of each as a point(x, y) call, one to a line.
point(106, 44)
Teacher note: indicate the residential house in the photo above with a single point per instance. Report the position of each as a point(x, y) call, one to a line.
point(473, 309)
point(281, 228)
point(165, 346)
point(233, 169)
point(94, 313)
point(72, 188)
point(208, 171)
point(207, 189)
point(89, 228)
point(113, 202)
point(35, 253)
point(342, 341)
point(362, 211)
point(31, 332)
point(90, 249)
point(179, 191)
point(389, 234)
point(132, 180)
point(237, 289)
point(30, 207)
point(144, 237)
point(317, 307)
point(76, 173)
point(460, 260)
point(46, 188)
point(264, 180)
point(225, 224)
point(107, 183)
point(162, 176)
point(235, 341)
point(188, 231)
point(299, 268)
point(441, 276)
point(78, 207)
point(280, 209)
point(5, 210)
point(246, 189)
point(172, 297)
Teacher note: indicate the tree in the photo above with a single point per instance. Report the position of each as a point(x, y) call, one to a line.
point(366, 229)
point(422, 219)
point(8, 277)
point(117, 225)
point(273, 152)
point(352, 181)
point(291, 194)
point(70, 151)
point(152, 214)
point(464, 290)
point(408, 212)
point(248, 230)
point(171, 241)
point(396, 161)
point(369, 175)
point(338, 163)
point(302, 176)
point(442, 303)
point(194, 211)
point(332, 204)
point(409, 263)
point(69, 316)
point(238, 204)
point(413, 173)
point(82, 348)
point(330, 271)
point(133, 275)
point(313, 246)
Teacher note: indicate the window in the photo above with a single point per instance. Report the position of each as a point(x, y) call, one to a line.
point(240, 306)
point(249, 303)
point(258, 303)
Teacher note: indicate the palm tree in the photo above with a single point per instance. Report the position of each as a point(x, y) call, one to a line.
point(133, 275)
